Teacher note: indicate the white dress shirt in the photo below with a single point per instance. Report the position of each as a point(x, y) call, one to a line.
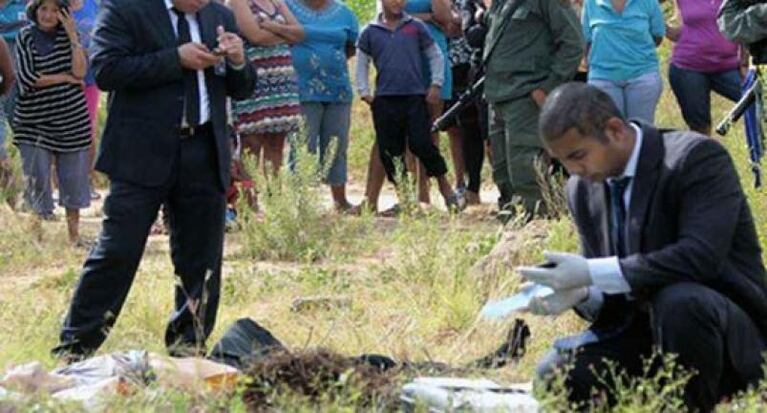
point(194, 31)
point(606, 272)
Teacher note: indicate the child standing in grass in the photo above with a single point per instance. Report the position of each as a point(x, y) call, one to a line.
point(398, 44)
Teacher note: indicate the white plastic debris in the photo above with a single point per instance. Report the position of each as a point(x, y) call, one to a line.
point(444, 394)
point(32, 378)
point(499, 309)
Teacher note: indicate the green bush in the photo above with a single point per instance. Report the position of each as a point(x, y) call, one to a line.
point(364, 9)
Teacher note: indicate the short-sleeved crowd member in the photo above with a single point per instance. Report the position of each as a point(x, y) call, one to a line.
point(702, 61)
point(13, 17)
point(467, 143)
point(51, 121)
point(272, 112)
point(621, 37)
point(84, 12)
point(325, 91)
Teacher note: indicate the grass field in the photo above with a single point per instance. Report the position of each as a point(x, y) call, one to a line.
point(412, 294)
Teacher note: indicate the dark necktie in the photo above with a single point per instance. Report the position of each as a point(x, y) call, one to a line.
point(191, 85)
point(618, 214)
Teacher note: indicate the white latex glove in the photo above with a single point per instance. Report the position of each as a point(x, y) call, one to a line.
point(559, 302)
point(568, 271)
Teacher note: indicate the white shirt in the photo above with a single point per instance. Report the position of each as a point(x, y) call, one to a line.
point(194, 31)
point(606, 273)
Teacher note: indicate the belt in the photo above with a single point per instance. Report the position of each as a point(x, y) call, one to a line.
point(186, 132)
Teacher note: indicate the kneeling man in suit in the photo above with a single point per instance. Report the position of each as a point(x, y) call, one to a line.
point(670, 256)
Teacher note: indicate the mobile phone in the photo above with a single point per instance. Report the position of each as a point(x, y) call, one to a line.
point(219, 52)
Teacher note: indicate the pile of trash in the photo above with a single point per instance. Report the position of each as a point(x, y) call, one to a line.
point(91, 382)
point(249, 358)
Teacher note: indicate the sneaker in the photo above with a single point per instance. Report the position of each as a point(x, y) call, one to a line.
point(394, 211)
point(456, 202)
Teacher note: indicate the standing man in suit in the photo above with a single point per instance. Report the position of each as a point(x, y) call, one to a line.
point(670, 254)
point(169, 66)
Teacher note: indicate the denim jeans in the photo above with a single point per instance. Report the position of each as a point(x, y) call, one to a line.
point(71, 172)
point(693, 92)
point(327, 126)
point(636, 98)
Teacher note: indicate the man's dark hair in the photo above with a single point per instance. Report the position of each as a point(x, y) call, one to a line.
point(35, 4)
point(577, 105)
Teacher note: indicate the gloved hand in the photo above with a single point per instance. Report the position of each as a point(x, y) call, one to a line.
point(568, 271)
point(559, 302)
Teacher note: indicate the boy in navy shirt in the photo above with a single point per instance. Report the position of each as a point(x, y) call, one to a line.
point(397, 43)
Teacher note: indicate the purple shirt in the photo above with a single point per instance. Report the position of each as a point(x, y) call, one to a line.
point(701, 47)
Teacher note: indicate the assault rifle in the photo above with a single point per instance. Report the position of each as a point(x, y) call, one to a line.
point(467, 98)
point(737, 111)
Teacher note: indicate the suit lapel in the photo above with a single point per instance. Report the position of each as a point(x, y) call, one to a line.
point(644, 185)
point(164, 24)
point(208, 21)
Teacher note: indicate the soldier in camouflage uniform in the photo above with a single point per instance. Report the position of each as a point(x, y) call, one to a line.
point(539, 48)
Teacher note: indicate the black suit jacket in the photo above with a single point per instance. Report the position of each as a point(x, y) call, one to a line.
point(688, 221)
point(134, 55)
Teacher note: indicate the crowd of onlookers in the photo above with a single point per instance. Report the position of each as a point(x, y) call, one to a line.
point(425, 52)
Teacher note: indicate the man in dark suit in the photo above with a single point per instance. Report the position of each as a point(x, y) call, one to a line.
point(169, 66)
point(670, 254)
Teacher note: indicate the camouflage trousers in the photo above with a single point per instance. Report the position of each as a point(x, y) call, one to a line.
point(516, 146)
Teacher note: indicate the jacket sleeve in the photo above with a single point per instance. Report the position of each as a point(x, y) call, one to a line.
point(588, 309)
point(743, 26)
point(567, 36)
point(116, 59)
point(709, 206)
point(239, 83)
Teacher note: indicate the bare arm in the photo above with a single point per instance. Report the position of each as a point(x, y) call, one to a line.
point(6, 67)
point(250, 27)
point(291, 30)
point(49, 80)
point(441, 12)
point(673, 27)
point(79, 63)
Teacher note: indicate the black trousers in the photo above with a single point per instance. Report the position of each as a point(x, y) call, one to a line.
point(401, 119)
point(710, 334)
point(195, 205)
point(472, 122)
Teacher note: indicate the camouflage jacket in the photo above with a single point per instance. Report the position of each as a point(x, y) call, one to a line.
point(743, 21)
point(540, 47)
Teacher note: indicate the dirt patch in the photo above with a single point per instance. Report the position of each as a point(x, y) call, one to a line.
point(321, 376)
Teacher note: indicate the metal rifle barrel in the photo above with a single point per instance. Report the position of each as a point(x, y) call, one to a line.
point(464, 100)
point(748, 98)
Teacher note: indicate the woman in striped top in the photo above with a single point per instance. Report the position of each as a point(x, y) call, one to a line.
point(51, 117)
